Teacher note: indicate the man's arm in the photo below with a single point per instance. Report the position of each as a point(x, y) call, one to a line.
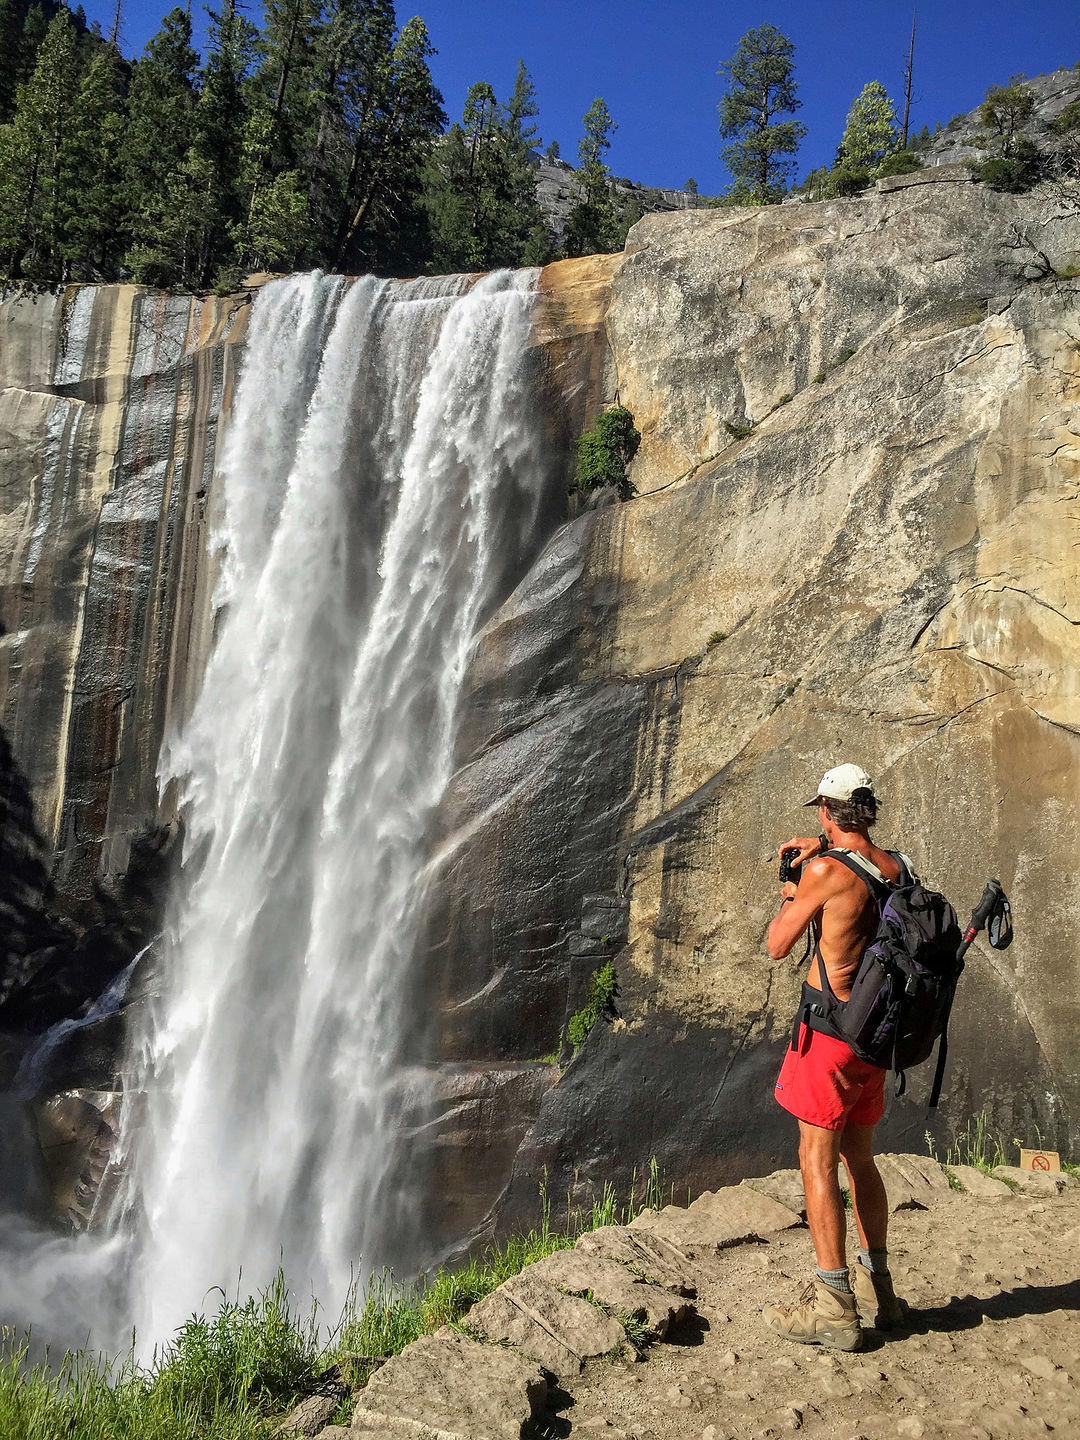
point(800, 906)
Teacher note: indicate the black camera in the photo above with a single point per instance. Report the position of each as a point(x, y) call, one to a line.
point(789, 870)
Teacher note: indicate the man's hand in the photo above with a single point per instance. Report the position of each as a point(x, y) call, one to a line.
point(806, 846)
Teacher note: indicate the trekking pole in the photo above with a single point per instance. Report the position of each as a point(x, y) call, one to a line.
point(994, 910)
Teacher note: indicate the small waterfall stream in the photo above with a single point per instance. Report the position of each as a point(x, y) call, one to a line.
point(382, 484)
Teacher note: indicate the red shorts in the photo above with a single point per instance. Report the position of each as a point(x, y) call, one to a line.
point(825, 1084)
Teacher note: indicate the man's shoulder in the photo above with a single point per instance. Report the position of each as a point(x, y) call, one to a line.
point(830, 870)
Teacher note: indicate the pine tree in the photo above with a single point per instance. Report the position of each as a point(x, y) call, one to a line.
point(161, 109)
point(540, 247)
point(480, 186)
point(91, 196)
point(1013, 162)
point(761, 77)
point(211, 171)
point(484, 176)
point(10, 48)
point(446, 201)
point(593, 225)
point(520, 138)
point(34, 30)
point(280, 134)
point(396, 113)
point(871, 129)
point(31, 149)
point(351, 64)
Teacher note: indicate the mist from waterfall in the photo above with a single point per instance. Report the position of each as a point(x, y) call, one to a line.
point(382, 483)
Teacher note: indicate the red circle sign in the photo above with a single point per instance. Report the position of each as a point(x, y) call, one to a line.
point(1040, 1162)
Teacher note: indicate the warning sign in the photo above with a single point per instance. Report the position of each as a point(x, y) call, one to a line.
point(1040, 1160)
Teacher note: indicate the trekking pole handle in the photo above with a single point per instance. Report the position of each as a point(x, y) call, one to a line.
point(984, 909)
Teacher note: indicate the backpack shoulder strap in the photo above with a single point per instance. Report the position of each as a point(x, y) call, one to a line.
point(907, 870)
point(866, 870)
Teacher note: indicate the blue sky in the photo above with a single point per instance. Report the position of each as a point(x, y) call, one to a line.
point(655, 63)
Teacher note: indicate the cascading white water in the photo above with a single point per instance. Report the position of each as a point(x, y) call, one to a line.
point(381, 480)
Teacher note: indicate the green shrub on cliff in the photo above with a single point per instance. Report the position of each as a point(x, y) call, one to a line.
point(601, 989)
point(605, 452)
point(1012, 162)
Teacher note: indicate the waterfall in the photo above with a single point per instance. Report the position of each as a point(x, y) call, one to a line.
point(381, 485)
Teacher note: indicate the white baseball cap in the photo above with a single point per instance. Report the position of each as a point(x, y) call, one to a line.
point(840, 783)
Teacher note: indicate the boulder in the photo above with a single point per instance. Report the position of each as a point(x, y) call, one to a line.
point(310, 1417)
point(786, 1186)
point(616, 1287)
point(558, 1331)
point(1037, 1182)
point(652, 1256)
point(913, 1182)
point(449, 1387)
point(977, 1182)
point(718, 1219)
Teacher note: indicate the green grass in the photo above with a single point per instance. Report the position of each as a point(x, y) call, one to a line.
point(220, 1379)
point(984, 1149)
point(716, 638)
point(392, 1314)
point(233, 1376)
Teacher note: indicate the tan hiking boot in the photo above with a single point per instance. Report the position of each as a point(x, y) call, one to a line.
point(878, 1304)
point(823, 1316)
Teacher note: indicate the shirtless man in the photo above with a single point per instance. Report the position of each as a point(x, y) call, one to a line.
point(836, 1097)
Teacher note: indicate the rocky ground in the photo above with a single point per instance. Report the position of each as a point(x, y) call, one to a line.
point(991, 1351)
point(993, 1348)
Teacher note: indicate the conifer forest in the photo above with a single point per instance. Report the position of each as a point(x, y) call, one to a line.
point(317, 139)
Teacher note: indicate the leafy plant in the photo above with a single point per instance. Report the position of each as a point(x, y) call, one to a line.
point(601, 990)
point(605, 450)
point(900, 162)
point(637, 1331)
point(737, 429)
point(716, 638)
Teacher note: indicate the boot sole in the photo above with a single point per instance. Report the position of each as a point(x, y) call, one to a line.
point(831, 1340)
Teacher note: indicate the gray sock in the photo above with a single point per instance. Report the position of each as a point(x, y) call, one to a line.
point(876, 1261)
point(836, 1279)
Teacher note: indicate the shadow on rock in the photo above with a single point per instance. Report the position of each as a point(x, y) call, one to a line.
point(689, 1332)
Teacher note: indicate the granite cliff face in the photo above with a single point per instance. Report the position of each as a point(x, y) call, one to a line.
point(854, 536)
point(884, 568)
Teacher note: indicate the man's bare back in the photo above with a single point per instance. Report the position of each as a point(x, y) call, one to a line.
point(842, 906)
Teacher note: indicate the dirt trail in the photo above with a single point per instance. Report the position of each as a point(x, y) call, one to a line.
point(992, 1352)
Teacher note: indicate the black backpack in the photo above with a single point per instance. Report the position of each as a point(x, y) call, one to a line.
point(903, 990)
